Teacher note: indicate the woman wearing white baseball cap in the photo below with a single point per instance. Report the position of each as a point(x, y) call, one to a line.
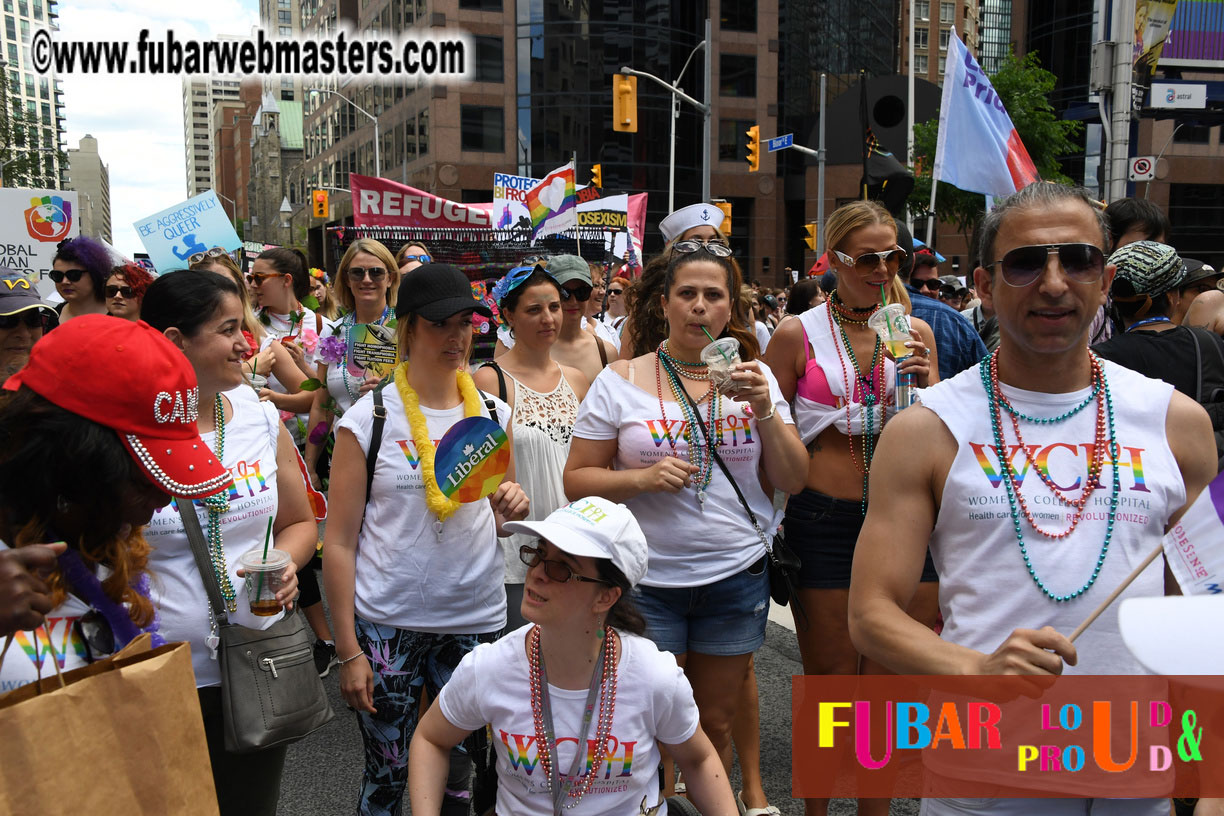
point(591, 679)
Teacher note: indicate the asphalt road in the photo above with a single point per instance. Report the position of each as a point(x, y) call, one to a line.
point(322, 773)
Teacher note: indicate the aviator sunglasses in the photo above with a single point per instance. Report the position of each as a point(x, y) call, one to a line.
point(1083, 263)
point(558, 571)
point(716, 248)
point(374, 273)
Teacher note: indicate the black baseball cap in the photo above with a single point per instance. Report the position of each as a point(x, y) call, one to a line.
point(17, 294)
point(437, 291)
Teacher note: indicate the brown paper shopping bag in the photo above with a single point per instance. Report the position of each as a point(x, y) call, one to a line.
point(123, 735)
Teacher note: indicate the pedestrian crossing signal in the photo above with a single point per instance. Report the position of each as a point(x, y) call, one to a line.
point(319, 200)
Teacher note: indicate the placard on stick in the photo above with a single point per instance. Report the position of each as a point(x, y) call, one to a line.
point(472, 459)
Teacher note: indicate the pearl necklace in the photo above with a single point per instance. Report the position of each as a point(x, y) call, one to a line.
point(603, 727)
point(217, 504)
point(1105, 437)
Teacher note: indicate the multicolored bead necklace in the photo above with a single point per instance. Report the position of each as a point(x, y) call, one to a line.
point(871, 384)
point(218, 504)
point(603, 726)
point(853, 315)
point(1105, 438)
point(698, 451)
point(350, 321)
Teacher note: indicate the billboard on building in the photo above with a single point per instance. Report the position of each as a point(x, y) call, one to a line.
point(1196, 36)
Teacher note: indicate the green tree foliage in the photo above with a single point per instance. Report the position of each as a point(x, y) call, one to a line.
point(1024, 88)
point(19, 131)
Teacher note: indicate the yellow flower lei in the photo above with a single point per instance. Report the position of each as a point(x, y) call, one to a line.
point(435, 499)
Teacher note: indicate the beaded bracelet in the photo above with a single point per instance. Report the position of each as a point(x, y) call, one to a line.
point(350, 659)
point(773, 409)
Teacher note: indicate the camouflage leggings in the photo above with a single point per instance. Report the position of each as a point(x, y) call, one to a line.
point(404, 662)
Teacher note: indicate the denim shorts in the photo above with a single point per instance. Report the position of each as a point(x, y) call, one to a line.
point(822, 531)
point(724, 618)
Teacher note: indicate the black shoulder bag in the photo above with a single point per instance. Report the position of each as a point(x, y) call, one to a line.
point(271, 693)
point(783, 564)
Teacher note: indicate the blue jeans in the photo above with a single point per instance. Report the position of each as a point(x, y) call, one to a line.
point(724, 618)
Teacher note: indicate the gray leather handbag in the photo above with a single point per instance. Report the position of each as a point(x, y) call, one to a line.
point(271, 693)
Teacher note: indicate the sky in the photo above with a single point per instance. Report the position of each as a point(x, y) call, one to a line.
point(138, 120)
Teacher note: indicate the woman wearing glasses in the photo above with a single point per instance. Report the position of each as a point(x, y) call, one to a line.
point(280, 279)
point(125, 289)
point(841, 382)
point(414, 578)
point(80, 270)
point(586, 644)
point(543, 396)
point(410, 256)
point(639, 440)
point(366, 286)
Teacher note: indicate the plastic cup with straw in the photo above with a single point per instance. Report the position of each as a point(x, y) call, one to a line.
point(270, 562)
point(893, 327)
point(720, 356)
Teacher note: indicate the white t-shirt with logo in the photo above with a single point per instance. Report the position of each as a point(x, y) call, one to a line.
point(654, 704)
point(33, 650)
point(716, 538)
point(405, 576)
point(177, 588)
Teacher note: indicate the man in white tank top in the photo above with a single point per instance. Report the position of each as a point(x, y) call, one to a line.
point(1022, 561)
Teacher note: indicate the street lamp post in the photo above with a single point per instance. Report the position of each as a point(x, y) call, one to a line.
point(704, 107)
point(370, 116)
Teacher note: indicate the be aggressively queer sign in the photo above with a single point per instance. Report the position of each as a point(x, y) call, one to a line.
point(173, 235)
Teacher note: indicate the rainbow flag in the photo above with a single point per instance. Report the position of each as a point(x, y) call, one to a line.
point(553, 203)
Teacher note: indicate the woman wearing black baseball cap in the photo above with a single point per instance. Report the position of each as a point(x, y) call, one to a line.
point(414, 578)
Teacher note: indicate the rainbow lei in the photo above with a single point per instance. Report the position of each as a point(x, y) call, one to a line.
point(435, 499)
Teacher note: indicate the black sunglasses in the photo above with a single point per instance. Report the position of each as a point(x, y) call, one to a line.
point(616, 291)
point(31, 319)
point(72, 275)
point(374, 273)
point(558, 571)
point(932, 283)
point(716, 248)
point(582, 294)
point(126, 291)
point(1083, 263)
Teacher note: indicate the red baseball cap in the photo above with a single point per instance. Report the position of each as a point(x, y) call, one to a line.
point(127, 376)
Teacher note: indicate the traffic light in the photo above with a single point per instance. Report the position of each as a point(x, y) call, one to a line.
point(624, 103)
point(754, 149)
point(810, 240)
point(319, 199)
point(597, 175)
point(725, 206)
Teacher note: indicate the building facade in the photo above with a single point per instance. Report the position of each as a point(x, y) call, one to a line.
point(200, 96)
point(91, 179)
point(33, 105)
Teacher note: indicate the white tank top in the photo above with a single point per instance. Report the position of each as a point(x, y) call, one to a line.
point(820, 394)
point(985, 590)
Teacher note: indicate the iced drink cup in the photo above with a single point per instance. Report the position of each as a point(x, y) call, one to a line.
point(892, 324)
point(263, 579)
point(720, 358)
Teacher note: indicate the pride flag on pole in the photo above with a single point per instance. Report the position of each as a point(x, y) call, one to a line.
point(553, 203)
point(978, 149)
point(1194, 548)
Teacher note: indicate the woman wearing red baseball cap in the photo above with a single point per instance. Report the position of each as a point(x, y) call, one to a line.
point(201, 313)
point(99, 433)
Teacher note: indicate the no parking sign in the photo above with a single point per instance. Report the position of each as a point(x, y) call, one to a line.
point(1143, 168)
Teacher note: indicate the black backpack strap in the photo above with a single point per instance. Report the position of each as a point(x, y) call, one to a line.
point(501, 380)
point(376, 435)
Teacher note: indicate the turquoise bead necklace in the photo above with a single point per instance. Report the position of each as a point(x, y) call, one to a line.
point(700, 454)
point(872, 386)
point(217, 504)
point(989, 374)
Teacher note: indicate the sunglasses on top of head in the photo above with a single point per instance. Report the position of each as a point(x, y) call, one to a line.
point(215, 252)
point(716, 248)
point(870, 261)
point(558, 571)
point(73, 275)
point(126, 291)
point(1022, 266)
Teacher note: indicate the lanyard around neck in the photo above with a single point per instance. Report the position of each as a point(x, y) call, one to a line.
point(560, 789)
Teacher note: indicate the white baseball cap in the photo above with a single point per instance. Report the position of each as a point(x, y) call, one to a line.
point(1175, 635)
point(597, 528)
point(685, 218)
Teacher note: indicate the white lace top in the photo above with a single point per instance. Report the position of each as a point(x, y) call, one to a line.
point(543, 426)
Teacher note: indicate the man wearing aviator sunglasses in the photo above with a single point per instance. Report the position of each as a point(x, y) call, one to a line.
point(23, 319)
point(1055, 546)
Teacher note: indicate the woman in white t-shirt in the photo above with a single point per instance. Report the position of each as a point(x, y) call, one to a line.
point(544, 397)
point(201, 313)
point(584, 653)
point(366, 286)
point(638, 440)
point(414, 578)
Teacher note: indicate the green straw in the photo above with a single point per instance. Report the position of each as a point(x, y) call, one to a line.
point(720, 351)
point(267, 539)
point(883, 295)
